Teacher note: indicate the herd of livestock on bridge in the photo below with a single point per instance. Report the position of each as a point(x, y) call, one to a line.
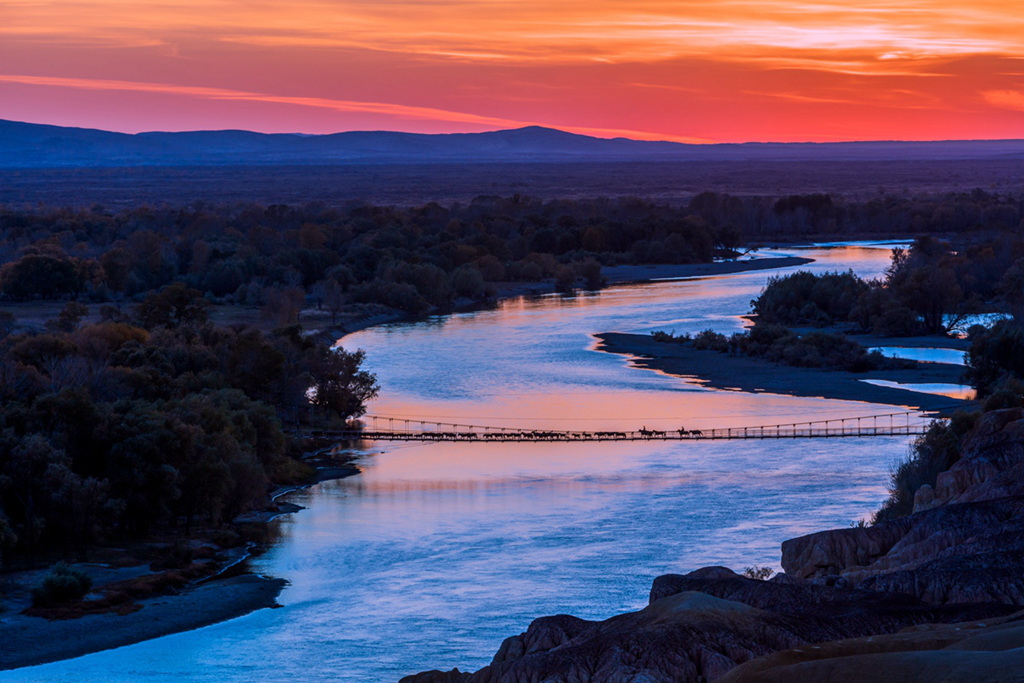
point(383, 428)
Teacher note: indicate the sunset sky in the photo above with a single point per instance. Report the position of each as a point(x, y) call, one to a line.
point(725, 71)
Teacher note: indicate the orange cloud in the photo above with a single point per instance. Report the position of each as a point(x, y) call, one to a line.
point(679, 69)
point(610, 30)
point(1006, 99)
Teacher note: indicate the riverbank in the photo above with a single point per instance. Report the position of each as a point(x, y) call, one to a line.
point(29, 641)
point(743, 373)
point(373, 314)
point(33, 639)
point(620, 275)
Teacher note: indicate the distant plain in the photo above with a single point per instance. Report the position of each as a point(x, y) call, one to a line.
point(412, 184)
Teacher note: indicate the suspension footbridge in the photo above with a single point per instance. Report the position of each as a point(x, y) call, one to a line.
point(390, 428)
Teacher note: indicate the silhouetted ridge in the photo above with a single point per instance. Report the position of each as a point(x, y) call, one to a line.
point(29, 145)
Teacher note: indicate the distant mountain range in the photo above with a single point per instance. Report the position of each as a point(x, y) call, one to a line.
point(29, 145)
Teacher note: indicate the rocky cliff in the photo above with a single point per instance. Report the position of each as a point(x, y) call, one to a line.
point(964, 543)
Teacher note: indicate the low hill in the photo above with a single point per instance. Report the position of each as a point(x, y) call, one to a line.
point(29, 145)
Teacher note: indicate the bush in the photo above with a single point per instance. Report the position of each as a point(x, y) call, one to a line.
point(758, 573)
point(669, 337)
point(823, 350)
point(812, 350)
point(62, 584)
point(996, 355)
point(711, 340)
point(934, 452)
point(1008, 393)
point(806, 298)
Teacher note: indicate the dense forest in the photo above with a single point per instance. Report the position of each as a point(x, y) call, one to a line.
point(425, 258)
point(157, 419)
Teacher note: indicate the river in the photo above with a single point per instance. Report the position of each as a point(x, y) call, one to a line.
point(438, 551)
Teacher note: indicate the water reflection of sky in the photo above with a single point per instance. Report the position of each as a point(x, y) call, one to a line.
point(437, 552)
point(958, 391)
point(532, 361)
point(923, 354)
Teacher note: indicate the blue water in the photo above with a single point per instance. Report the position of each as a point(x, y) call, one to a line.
point(438, 551)
point(923, 354)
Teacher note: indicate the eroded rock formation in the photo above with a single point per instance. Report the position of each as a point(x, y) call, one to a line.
point(964, 544)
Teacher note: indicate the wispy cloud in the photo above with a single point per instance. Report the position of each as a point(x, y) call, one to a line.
point(399, 111)
point(1005, 99)
point(532, 30)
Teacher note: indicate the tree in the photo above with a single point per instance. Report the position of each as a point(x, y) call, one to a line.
point(7, 537)
point(339, 383)
point(284, 305)
point(173, 306)
point(69, 318)
point(48, 275)
point(924, 279)
point(334, 298)
point(996, 355)
point(7, 323)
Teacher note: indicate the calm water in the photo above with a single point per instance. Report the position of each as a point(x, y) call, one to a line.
point(438, 551)
point(924, 354)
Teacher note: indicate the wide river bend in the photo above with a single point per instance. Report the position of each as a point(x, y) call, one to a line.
point(438, 551)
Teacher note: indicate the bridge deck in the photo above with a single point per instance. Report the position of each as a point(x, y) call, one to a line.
point(405, 429)
point(525, 437)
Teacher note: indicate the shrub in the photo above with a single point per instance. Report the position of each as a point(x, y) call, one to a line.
point(820, 349)
point(565, 278)
point(1008, 393)
point(934, 452)
point(62, 584)
point(711, 340)
point(669, 337)
point(996, 355)
point(806, 298)
point(758, 573)
point(812, 350)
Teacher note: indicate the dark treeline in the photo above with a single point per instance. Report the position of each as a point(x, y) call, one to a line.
point(410, 259)
point(422, 258)
point(161, 419)
point(926, 290)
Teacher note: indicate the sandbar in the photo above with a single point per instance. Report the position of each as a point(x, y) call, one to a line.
point(743, 373)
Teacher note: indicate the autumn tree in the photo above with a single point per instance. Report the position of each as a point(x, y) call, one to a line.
point(173, 306)
point(340, 384)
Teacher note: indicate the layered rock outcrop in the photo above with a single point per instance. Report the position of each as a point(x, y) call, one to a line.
point(964, 544)
point(989, 651)
point(696, 628)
